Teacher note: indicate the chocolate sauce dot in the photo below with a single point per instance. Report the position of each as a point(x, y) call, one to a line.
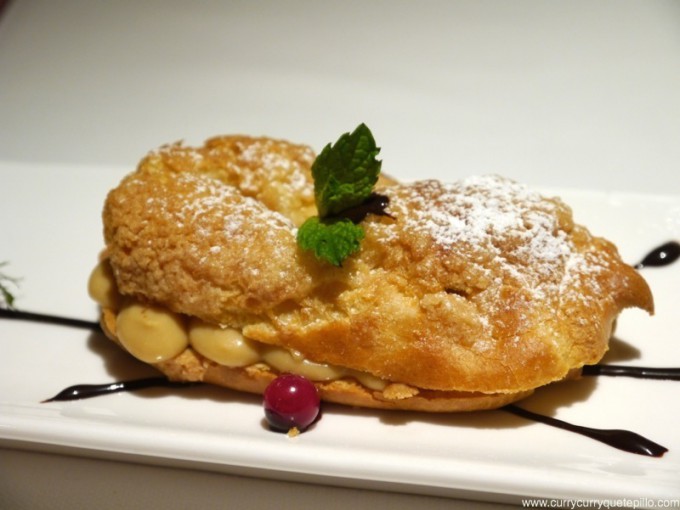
point(663, 255)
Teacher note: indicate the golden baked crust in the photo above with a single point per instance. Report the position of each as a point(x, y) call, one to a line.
point(480, 289)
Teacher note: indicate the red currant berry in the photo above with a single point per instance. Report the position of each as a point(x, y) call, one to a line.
point(291, 401)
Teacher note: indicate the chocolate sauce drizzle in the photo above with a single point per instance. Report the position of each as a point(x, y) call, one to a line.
point(12, 313)
point(81, 391)
point(670, 374)
point(663, 255)
point(375, 204)
point(624, 440)
point(621, 439)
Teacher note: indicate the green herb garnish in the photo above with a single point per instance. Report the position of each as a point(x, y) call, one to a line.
point(332, 241)
point(344, 175)
point(6, 297)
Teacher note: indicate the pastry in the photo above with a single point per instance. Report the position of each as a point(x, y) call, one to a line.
point(466, 296)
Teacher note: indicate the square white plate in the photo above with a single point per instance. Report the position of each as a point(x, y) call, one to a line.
point(51, 235)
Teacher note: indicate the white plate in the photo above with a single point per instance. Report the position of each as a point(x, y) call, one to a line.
point(51, 239)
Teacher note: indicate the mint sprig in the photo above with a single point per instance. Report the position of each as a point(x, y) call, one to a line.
point(6, 297)
point(344, 175)
point(332, 241)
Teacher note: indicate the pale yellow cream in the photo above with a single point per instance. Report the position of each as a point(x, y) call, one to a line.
point(224, 345)
point(295, 363)
point(102, 287)
point(154, 334)
point(150, 333)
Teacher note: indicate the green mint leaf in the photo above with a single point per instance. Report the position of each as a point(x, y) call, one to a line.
point(6, 297)
point(330, 240)
point(345, 172)
point(344, 175)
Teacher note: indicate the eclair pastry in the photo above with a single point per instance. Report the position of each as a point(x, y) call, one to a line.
point(467, 296)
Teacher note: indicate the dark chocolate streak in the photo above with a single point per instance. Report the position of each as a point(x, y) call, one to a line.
point(47, 319)
point(663, 255)
point(620, 439)
point(671, 374)
point(81, 391)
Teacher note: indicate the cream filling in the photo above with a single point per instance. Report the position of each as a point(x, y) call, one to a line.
point(153, 334)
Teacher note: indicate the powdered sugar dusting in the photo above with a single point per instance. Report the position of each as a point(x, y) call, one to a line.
point(193, 155)
point(494, 226)
point(250, 164)
point(480, 210)
point(217, 212)
point(273, 165)
point(208, 197)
